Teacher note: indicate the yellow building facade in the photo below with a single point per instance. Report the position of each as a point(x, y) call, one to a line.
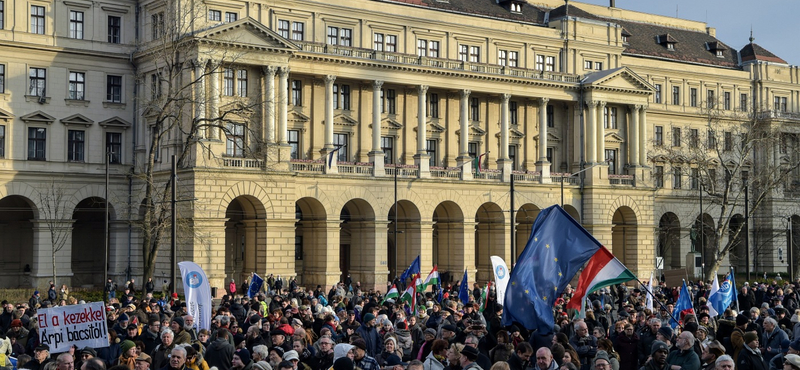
point(376, 131)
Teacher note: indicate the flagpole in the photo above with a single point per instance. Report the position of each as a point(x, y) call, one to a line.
point(656, 300)
point(736, 294)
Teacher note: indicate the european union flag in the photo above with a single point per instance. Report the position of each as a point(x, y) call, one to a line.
point(411, 271)
point(557, 248)
point(255, 285)
point(463, 292)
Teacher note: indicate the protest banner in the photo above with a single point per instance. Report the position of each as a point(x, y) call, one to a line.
point(197, 292)
point(81, 325)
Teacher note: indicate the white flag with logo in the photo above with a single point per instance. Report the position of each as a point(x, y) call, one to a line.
point(501, 277)
point(649, 298)
point(197, 292)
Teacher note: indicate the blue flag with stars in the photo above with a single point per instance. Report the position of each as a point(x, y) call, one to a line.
point(463, 291)
point(557, 248)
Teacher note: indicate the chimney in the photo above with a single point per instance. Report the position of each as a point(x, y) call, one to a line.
point(711, 31)
point(613, 4)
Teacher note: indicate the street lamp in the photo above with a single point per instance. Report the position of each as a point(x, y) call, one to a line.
point(574, 174)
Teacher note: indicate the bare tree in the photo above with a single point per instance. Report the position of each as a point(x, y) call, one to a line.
point(735, 155)
point(176, 63)
point(52, 197)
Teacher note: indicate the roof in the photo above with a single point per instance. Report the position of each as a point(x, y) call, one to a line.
point(487, 8)
point(753, 51)
point(650, 40)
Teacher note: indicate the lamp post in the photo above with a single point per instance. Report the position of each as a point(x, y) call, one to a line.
point(574, 174)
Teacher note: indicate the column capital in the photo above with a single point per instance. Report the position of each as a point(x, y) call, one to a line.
point(199, 62)
point(377, 84)
point(329, 79)
point(283, 72)
point(543, 101)
point(423, 89)
point(504, 98)
point(602, 103)
point(269, 70)
point(592, 103)
point(465, 93)
point(636, 107)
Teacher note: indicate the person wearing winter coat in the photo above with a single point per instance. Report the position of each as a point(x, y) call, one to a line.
point(627, 346)
point(220, 352)
point(436, 358)
point(684, 356)
point(404, 341)
point(750, 356)
point(658, 357)
point(772, 338)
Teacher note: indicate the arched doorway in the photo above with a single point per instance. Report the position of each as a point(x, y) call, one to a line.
point(403, 241)
point(357, 247)
point(736, 235)
point(669, 241)
point(795, 234)
point(489, 238)
point(703, 240)
point(448, 241)
point(313, 254)
point(624, 236)
point(572, 212)
point(245, 238)
point(16, 227)
point(524, 219)
point(89, 242)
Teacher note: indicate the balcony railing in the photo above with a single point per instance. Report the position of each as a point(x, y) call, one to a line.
point(410, 59)
point(362, 169)
point(446, 173)
point(779, 114)
point(246, 163)
point(307, 166)
point(627, 180)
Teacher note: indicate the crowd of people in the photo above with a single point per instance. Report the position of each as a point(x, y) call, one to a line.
point(286, 327)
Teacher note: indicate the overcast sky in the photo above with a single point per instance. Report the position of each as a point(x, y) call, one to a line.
point(775, 23)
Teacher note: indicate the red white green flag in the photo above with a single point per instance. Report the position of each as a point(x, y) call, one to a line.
point(433, 277)
point(410, 297)
point(485, 296)
point(602, 270)
point(391, 294)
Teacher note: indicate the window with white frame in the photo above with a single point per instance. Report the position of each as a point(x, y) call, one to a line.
point(214, 15)
point(657, 96)
point(293, 139)
point(469, 53)
point(298, 31)
point(611, 159)
point(228, 78)
point(508, 58)
point(241, 83)
point(283, 28)
point(2, 78)
point(340, 141)
point(37, 19)
point(475, 109)
point(37, 143)
point(114, 89)
point(540, 62)
point(231, 17)
point(2, 141)
point(2, 14)
point(157, 25)
point(610, 118)
point(550, 64)
point(234, 140)
point(427, 48)
point(598, 66)
point(433, 105)
point(677, 177)
point(38, 81)
point(77, 85)
point(75, 24)
point(387, 146)
point(513, 113)
point(340, 36)
point(385, 42)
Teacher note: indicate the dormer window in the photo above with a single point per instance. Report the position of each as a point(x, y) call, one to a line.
point(667, 41)
point(516, 8)
point(625, 36)
point(717, 48)
point(720, 53)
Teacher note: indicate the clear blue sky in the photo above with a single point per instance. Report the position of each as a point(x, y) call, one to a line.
point(775, 23)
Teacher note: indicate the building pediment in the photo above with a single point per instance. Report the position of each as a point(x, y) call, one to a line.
point(295, 116)
point(550, 138)
point(115, 122)
point(435, 128)
point(513, 134)
point(38, 117)
point(5, 115)
point(619, 79)
point(344, 120)
point(77, 119)
point(247, 32)
point(614, 138)
point(390, 124)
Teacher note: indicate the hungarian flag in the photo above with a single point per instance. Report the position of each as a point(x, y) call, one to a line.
point(602, 270)
point(419, 284)
point(391, 294)
point(410, 297)
point(433, 278)
point(485, 296)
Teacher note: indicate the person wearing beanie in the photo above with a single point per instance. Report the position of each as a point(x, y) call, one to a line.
point(361, 358)
point(664, 334)
point(468, 357)
point(684, 357)
point(370, 335)
point(772, 338)
point(122, 325)
point(241, 360)
point(181, 335)
point(750, 357)
point(737, 336)
point(344, 363)
point(658, 356)
point(129, 354)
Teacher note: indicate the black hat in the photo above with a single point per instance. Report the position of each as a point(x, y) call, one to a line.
point(449, 327)
point(360, 343)
point(498, 308)
point(42, 347)
point(344, 363)
point(741, 320)
point(690, 327)
point(393, 360)
point(658, 346)
point(470, 353)
point(277, 331)
point(666, 331)
point(178, 319)
point(132, 326)
point(89, 351)
point(244, 355)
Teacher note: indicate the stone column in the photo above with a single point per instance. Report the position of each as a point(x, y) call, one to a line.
point(503, 162)
point(633, 136)
point(643, 136)
point(591, 132)
point(200, 93)
point(376, 156)
point(269, 103)
point(463, 160)
point(283, 104)
point(601, 132)
point(329, 80)
point(543, 165)
point(214, 98)
point(422, 157)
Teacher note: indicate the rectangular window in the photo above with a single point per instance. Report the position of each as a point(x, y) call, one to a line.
point(283, 28)
point(780, 104)
point(77, 85)
point(214, 15)
point(298, 31)
point(227, 82)
point(743, 102)
point(378, 42)
point(694, 138)
point(728, 141)
point(659, 136)
point(114, 89)
point(391, 43)
point(657, 96)
point(598, 66)
point(75, 24)
point(472, 149)
point(726, 100)
point(676, 136)
point(422, 48)
point(297, 93)
point(433, 49)
point(231, 17)
point(513, 58)
point(693, 97)
point(333, 35)
point(507, 58)
point(550, 64)
point(2, 141)
point(293, 139)
point(676, 95)
point(513, 115)
point(463, 53)
point(391, 101)
point(540, 62)
point(155, 86)
point(37, 19)
point(241, 83)
point(234, 140)
point(712, 139)
point(340, 141)
point(711, 100)
point(37, 141)
point(610, 117)
point(387, 146)
point(430, 148)
point(157, 24)
point(549, 154)
point(475, 54)
point(695, 180)
point(114, 147)
point(433, 105)
point(677, 177)
point(658, 177)
point(475, 109)
point(2, 14)
point(336, 96)
point(114, 29)
point(611, 159)
point(38, 80)
point(75, 145)
point(2, 78)
point(551, 116)
point(587, 65)
point(512, 155)
point(345, 97)
point(712, 178)
point(340, 36)
point(502, 57)
point(298, 247)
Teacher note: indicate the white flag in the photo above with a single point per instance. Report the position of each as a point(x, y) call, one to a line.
point(197, 292)
point(649, 297)
point(714, 290)
point(501, 276)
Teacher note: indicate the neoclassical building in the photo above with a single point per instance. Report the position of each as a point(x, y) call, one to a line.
point(375, 131)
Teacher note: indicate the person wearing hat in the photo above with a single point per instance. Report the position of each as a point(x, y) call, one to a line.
point(425, 349)
point(658, 356)
point(737, 336)
point(449, 333)
point(181, 336)
point(278, 336)
point(750, 357)
point(20, 331)
point(370, 335)
point(778, 360)
point(241, 360)
point(361, 358)
point(343, 363)
point(711, 352)
point(394, 362)
point(86, 354)
point(468, 357)
point(129, 354)
point(792, 362)
point(684, 357)
point(143, 362)
point(772, 338)
point(41, 356)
